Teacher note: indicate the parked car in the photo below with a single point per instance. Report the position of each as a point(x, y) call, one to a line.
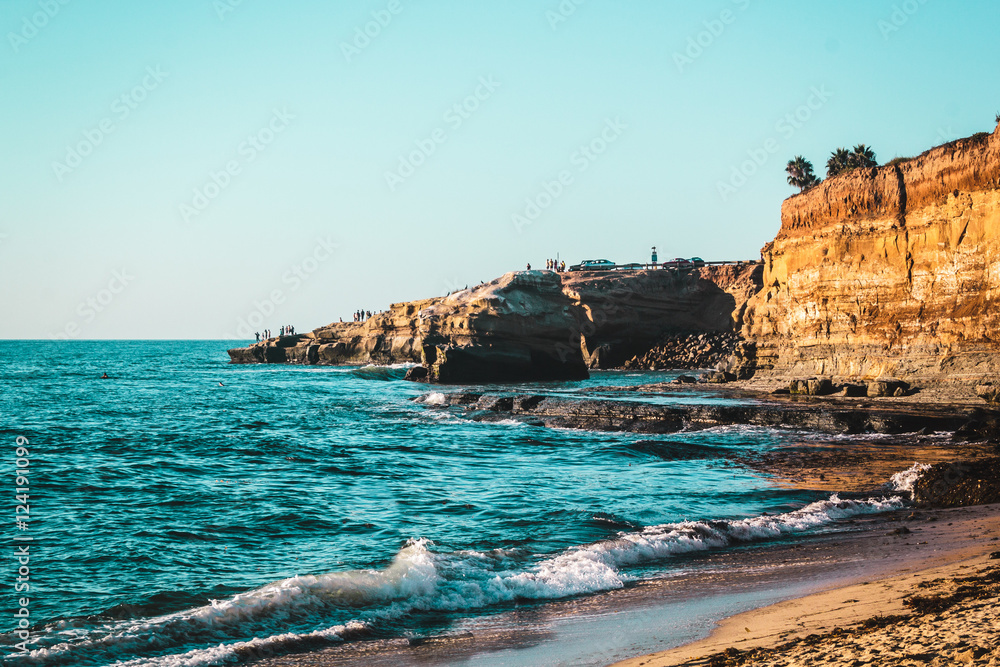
point(677, 263)
point(698, 261)
point(593, 265)
point(631, 266)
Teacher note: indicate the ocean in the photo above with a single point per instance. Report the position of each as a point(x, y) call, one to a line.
point(187, 511)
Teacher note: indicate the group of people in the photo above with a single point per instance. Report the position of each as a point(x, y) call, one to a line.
point(362, 315)
point(286, 330)
point(552, 265)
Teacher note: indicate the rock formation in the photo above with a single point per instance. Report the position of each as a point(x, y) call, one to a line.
point(888, 271)
point(529, 324)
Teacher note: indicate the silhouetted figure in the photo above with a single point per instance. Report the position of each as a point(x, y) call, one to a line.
point(105, 376)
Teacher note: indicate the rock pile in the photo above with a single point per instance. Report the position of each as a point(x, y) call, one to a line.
point(959, 483)
point(705, 350)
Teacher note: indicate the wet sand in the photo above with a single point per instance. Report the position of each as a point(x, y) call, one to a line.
point(955, 621)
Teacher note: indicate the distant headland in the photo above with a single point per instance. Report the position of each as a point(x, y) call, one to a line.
point(890, 271)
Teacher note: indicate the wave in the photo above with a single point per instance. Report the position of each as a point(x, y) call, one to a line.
point(280, 614)
point(902, 482)
point(433, 398)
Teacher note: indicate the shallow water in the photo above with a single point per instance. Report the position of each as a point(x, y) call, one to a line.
point(175, 519)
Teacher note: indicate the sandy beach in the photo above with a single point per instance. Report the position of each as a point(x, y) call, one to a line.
point(937, 608)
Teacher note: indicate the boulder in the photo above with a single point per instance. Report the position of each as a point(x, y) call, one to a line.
point(988, 391)
point(716, 377)
point(887, 387)
point(811, 387)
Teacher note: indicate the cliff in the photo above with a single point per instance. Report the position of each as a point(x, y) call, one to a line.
point(889, 271)
point(529, 324)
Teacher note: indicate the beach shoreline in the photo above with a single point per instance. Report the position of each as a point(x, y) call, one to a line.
point(625, 626)
point(819, 625)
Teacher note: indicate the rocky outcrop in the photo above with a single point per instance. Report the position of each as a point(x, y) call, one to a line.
point(687, 351)
point(529, 324)
point(890, 271)
point(959, 483)
point(642, 417)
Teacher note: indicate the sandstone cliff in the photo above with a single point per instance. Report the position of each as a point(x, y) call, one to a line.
point(529, 324)
point(892, 270)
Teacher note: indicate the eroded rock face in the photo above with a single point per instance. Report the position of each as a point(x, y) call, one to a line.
point(892, 271)
point(529, 324)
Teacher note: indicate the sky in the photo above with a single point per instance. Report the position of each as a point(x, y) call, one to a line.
point(209, 168)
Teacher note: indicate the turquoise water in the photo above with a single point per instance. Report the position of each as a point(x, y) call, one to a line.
point(179, 521)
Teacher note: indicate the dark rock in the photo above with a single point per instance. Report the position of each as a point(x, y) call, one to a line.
point(959, 483)
point(528, 403)
point(417, 374)
point(811, 387)
point(685, 379)
point(716, 377)
point(983, 425)
point(633, 416)
point(496, 403)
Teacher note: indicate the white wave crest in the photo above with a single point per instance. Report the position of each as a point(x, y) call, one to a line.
point(419, 579)
point(903, 481)
point(433, 398)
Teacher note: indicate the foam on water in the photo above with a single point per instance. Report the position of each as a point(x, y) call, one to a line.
point(421, 579)
point(903, 481)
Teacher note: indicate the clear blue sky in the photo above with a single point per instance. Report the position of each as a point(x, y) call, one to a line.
point(119, 219)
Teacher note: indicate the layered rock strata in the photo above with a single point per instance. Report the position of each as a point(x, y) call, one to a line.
point(529, 324)
point(890, 271)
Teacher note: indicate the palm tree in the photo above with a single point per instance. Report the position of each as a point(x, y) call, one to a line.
point(863, 156)
point(800, 173)
point(840, 161)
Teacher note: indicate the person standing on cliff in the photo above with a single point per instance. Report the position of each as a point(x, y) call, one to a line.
point(529, 266)
point(257, 334)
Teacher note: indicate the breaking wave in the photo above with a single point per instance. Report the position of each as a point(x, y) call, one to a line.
point(348, 604)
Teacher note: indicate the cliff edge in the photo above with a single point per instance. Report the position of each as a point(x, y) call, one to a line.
point(887, 271)
point(529, 325)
